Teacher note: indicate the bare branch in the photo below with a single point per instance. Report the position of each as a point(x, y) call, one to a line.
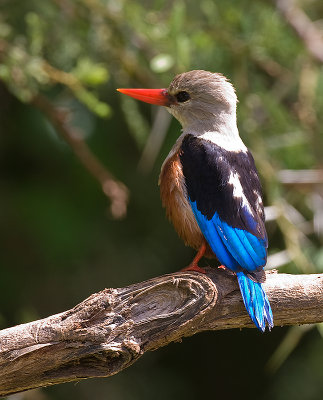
point(301, 177)
point(303, 26)
point(115, 190)
point(110, 330)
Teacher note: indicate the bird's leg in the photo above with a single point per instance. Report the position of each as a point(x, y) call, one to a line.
point(194, 264)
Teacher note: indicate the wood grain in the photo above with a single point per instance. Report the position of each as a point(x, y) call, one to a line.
point(111, 329)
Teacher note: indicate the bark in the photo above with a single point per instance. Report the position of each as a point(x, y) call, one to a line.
point(111, 329)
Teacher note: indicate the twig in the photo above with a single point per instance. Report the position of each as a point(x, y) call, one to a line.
point(110, 330)
point(155, 140)
point(303, 26)
point(115, 190)
point(301, 177)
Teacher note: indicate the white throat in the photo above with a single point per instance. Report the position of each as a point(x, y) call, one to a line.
point(222, 132)
point(227, 141)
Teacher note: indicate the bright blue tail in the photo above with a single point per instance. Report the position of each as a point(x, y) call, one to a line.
point(256, 302)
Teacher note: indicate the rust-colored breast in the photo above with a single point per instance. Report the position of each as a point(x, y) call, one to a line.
point(174, 199)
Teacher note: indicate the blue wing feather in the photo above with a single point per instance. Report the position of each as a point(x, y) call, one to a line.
point(235, 248)
point(214, 239)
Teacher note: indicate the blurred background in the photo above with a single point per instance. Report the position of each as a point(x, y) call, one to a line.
point(80, 207)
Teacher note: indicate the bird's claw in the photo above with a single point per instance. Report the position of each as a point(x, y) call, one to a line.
point(195, 268)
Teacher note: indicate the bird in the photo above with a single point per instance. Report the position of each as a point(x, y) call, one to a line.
point(210, 186)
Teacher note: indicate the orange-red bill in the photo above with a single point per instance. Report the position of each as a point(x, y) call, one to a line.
point(159, 97)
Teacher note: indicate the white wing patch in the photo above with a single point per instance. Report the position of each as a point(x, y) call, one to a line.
point(258, 202)
point(238, 190)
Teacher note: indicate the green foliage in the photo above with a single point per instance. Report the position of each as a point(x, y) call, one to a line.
point(59, 240)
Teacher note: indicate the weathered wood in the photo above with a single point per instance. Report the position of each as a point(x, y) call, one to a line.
point(111, 329)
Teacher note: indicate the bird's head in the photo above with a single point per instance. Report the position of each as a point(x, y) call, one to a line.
point(194, 97)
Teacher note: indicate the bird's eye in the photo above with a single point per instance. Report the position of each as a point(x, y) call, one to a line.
point(181, 97)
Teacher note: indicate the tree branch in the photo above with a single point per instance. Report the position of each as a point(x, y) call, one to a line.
point(115, 190)
point(111, 329)
point(306, 29)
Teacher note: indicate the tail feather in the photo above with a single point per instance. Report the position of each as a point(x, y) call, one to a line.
point(256, 302)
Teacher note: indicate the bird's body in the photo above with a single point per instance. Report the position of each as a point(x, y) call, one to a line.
point(209, 183)
point(197, 170)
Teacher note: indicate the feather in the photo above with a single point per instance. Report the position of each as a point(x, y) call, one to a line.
point(234, 247)
point(256, 302)
point(214, 240)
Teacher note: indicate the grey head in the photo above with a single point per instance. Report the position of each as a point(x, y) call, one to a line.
point(203, 101)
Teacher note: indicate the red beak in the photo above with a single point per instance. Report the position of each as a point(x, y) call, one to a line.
point(159, 97)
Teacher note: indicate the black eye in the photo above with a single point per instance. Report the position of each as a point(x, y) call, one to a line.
point(182, 96)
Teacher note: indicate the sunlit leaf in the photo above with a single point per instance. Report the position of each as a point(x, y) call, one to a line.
point(161, 63)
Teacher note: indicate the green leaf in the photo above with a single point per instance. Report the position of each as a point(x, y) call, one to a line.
point(90, 73)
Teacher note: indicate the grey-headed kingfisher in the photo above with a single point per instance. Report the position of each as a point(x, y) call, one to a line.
point(209, 183)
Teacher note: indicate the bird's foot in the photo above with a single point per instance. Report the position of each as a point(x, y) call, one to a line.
point(194, 267)
point(194, 264)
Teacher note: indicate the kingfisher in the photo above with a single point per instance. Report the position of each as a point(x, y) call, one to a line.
point(209, 183)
